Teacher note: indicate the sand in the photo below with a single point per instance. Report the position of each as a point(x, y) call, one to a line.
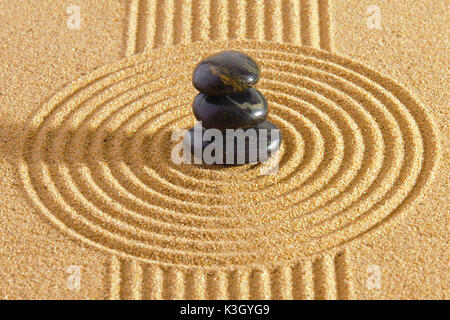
point(358, 208)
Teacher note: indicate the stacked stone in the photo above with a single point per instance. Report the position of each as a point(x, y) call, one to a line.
point(227, 100)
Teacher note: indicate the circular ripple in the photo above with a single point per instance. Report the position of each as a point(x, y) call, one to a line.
point(357, 148)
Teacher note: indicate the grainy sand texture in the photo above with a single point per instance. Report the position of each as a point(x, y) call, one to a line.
point(92, 207)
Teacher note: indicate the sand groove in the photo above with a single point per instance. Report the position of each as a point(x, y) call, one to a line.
point(104, 159)
point(325, 24)
point(131, 41)
point(357, 149)
point(304, 280)
point(167, 22)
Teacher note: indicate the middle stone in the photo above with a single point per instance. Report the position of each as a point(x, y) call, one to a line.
point(232, 111)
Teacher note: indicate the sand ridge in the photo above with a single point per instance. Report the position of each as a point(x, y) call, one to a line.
point(152, 23)
point(353, 153)
point(327, 277)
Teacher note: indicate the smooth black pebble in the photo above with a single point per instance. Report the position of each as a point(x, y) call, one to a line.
point(239, 110)
point(226, 72)
point(244, 151)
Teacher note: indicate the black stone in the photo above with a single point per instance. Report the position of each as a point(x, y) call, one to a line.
point(243, 150)
point(239, 110)
point(226, 72)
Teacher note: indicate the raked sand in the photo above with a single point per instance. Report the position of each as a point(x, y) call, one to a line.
point(92, 207)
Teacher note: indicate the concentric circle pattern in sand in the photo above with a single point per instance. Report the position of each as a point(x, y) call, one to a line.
point(357, 148)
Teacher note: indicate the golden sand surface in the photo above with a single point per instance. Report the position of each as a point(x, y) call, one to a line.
point(358, 208)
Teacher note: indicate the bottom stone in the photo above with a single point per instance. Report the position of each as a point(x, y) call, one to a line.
point(233, 147)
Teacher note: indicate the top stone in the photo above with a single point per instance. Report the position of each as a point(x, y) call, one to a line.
point(225, 73)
